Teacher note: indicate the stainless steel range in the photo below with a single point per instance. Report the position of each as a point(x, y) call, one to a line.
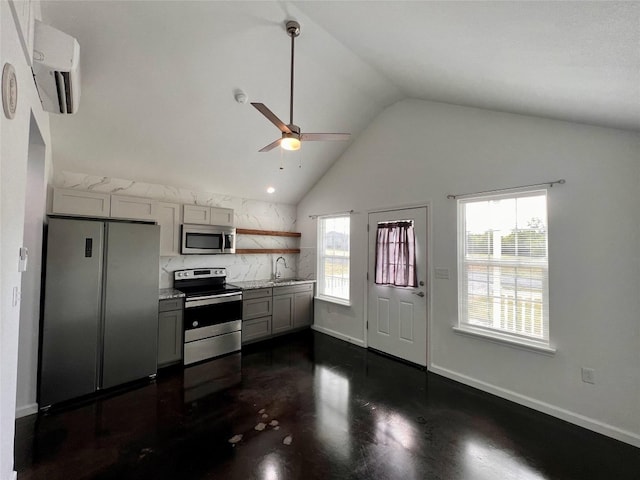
point(212, 313)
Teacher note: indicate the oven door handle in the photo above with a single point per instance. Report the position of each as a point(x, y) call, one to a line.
point(213, 299)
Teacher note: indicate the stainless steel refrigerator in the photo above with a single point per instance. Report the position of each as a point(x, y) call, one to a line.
point(100, 324)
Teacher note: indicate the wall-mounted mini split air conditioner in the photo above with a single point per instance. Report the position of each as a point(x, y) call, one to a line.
point(56, 68)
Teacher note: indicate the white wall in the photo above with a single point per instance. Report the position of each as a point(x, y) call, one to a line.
point(417, 151)
point(14, 137)
point(31, 279)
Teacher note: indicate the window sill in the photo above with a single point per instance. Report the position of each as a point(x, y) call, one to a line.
point(337, 301)
point(505, 340)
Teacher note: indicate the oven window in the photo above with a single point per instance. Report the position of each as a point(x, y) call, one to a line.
point(207, 315)
point(206, 241)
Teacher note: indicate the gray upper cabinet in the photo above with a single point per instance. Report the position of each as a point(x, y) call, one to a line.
point(222, 216)
point(78, 202)
point(134, 208)
point(169, 219)
point(198, 214)
point(203, 215)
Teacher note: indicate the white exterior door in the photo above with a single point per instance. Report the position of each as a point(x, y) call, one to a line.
point(397, 316)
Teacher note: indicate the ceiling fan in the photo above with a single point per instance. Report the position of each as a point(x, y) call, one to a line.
point(291, 135)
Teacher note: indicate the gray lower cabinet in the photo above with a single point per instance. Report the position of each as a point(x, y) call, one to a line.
point(256, 329)
point(282, 313)
point(273, 311)
point(170, 331)
point(292, 307)
point(303, 309)
point(257, 307)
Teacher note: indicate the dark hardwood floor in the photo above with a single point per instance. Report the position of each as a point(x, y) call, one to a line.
point(348, 414)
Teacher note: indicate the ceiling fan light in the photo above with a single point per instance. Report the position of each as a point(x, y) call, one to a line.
point(290, 143)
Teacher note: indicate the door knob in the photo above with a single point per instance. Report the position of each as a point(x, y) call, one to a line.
point(420, 294)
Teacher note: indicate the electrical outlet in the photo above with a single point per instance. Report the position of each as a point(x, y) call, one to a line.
point(588, 375)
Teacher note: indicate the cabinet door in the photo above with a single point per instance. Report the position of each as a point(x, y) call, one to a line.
point(198, 214)
point(169, 219)
point(302, 309)
point(256, 329)
point(77, 202)
point(282, 320)
point(257, 307)
point(135, 208)
point(222, 216)
point(169, 337)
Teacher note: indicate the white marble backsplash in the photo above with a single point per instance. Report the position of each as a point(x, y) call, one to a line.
point(307, 263)
point(252, 214)
point(240, 268)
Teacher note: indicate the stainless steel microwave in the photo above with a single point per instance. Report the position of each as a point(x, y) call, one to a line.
point(207, 239)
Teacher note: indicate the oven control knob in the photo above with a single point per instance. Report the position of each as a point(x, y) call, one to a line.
point(179, 274)
point(195, 324)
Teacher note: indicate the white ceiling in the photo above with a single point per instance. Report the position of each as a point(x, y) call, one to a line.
point(158, 78)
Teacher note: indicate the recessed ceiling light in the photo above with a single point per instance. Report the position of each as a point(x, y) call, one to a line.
point(271, 190)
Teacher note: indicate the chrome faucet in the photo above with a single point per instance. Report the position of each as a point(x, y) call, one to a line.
point(277, 274)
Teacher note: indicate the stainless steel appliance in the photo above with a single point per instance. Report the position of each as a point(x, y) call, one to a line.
point(100, 322)
point(212, 313)
point(207, 239)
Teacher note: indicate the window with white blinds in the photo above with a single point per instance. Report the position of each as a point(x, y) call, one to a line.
point(334, 258)
point(503, 267)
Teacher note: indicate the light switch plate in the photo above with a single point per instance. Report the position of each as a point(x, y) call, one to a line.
point(22, 260)
point(442, 273)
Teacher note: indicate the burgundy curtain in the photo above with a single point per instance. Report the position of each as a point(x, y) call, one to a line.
point(396, 254)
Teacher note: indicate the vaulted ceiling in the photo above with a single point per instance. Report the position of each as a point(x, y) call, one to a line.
point(159, 77)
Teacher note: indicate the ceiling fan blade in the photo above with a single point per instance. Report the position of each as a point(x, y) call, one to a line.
point(262, 108)
point(271, 146)
point(324, 136)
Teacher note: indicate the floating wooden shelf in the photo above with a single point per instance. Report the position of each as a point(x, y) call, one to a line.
point(272, 233)
point(267, 250)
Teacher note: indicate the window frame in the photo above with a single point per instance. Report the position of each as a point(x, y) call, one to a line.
point(491, 333)
point(320, 258)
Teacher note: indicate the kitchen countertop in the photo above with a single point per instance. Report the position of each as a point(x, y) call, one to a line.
point(168, 293)
point(253, 284)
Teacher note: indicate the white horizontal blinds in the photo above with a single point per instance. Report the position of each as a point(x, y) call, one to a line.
point(333, 256)
point(504, 265)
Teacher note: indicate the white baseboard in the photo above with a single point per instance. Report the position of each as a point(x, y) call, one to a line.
point(566, 415)
point(333, 333)
point(26, 410)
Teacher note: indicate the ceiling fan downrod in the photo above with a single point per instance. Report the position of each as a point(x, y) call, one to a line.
point(293, 29)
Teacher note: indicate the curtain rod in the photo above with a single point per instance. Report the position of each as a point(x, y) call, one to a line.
point(550, 184)
point(329, 214)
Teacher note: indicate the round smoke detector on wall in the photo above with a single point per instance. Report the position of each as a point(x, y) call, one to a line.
point(9, 91)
